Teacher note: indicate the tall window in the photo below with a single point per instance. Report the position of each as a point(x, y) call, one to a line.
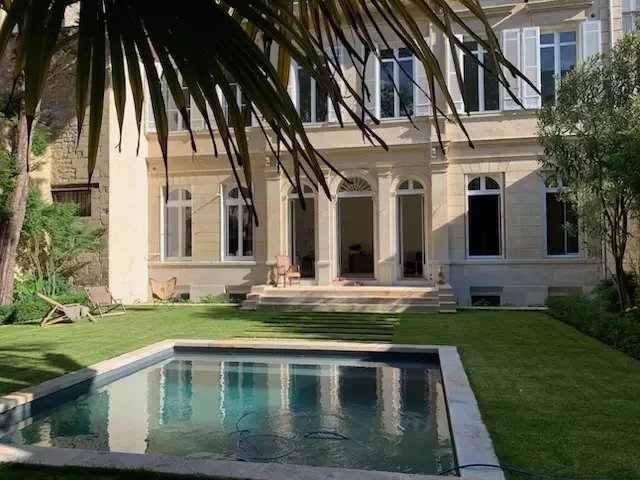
point(557, 57)
point(562, 222)
point(177, 224)
point(238, 226)
point(398, 70)
point(630, 16)
point(484, 217)
point(241, 101)
point(313, 103)
point(481, 93)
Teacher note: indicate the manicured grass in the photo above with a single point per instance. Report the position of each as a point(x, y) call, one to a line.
point(555, 400)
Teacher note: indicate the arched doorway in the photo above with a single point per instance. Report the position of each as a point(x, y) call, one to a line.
point(411, 251)
point(355, 228)
point(302, 231)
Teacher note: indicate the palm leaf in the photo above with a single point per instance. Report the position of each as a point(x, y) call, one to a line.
point(211, 47)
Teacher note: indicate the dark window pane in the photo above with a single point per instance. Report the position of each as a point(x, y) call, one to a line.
point(491, 91)
point(484, 225)
point(555, 221)
point(80, 198)
point(567, 58)
point(571, 221)
point(566, 37)
point(187, 232)
point(491, 184)
point(304, 87)
point(387, 53)
point(232, 231)
point(546, 39)
point(322, 112)
point(405, 86)
point(474, 184)
point(247, 232)
point(547, 72)
point(471, 84)
point(246, 110)
point(387, 93)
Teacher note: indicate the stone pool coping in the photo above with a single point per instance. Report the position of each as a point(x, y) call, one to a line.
point(471, 441)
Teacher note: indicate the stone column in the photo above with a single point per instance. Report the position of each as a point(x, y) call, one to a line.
point(325, 234)
point(385, 256)
point(439, 235)
point(273, 225)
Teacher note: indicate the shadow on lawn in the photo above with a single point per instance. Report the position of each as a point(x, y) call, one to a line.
point(25, 365)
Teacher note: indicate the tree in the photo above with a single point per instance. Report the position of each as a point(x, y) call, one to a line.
point(54, 242)
point(591, 142)
point(209, 44)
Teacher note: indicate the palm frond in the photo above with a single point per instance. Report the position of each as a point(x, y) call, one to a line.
point(206, 48)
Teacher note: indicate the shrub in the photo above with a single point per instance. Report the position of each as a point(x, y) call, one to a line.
point(619, 330)
point(5, 313)
point(211, 299)
point(607, 292)
point(32, 308)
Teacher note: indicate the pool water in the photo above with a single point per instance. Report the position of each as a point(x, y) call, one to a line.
point(375, 413)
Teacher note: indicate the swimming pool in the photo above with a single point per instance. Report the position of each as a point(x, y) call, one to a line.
point(378, 408)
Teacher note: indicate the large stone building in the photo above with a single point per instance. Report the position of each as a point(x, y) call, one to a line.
point(486, 216)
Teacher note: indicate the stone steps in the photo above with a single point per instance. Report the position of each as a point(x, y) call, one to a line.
point(352, 299)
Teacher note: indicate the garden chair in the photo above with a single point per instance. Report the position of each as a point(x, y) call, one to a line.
point(286, 271)
point(59, 313)
point(102, 301)
point(163, 292)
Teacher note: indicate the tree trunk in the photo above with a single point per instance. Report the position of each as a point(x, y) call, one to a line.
point(17, 204)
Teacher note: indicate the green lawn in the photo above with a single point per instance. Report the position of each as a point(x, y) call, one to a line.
point(554, 400)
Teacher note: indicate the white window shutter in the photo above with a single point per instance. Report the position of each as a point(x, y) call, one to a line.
point(591, 37)
point(151, 122)
point(292, 88)
point(420, 96)
point(452, 79)
point(372, 82)
point(531, 66)
point(340, 60)
point(511, 50)
point(254, 119)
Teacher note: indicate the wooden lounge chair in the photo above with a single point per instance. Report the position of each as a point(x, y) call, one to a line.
point(286, 271)
point(59, 313)
point(102, 301)
point(163, 292)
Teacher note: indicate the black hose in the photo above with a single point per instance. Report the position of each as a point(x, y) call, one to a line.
point(520, 471)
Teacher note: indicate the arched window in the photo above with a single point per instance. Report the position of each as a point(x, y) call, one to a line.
point(484, 217)
point(238, 226)
point(410, 187)
point(355, 187)
point(307, 192)
point(177, 224)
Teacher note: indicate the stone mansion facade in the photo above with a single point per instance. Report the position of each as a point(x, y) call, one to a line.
point(485, 216)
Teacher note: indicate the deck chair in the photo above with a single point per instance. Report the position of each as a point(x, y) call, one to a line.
point(59, 313)
point(286, 271)
point(163, 292)
point(102, 301)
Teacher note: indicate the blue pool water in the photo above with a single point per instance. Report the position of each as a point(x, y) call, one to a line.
point(349, 412)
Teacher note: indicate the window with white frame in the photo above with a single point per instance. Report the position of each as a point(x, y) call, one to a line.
point(630, 16)
point(481, 93)
point(177, 224)
point(396, 68)
point(313, 103)
point(484, 217)
point(241, 101)
point(562, 222)
point(238, 226)
point(557, 56)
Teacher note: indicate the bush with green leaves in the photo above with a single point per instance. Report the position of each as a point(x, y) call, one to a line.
point(53, 243)
point(619, 330)
point(32, 308)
